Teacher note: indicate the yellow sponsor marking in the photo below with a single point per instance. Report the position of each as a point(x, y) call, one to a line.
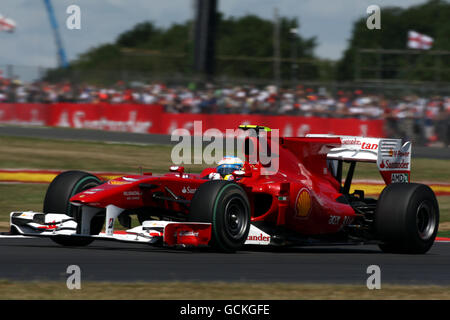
point(303, 203)
point(440, 188)
point(120, 182)
point(41, 177)
point(27, 176)
point(109, 177)
point(368, 188)
point(377, 188)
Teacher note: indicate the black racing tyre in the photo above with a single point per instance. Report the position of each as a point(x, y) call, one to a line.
point(225, 205)
point(407, 218)
point(59, 192)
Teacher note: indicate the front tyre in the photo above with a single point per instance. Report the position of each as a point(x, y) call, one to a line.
point(57, 200)
point(225, 205)
point(407, 218)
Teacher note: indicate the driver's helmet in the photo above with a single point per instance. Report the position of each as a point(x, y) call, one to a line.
point(228, 164)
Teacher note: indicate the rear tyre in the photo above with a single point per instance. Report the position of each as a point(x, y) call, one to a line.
point(407, 218)
point(57, 200)
point(225, 205)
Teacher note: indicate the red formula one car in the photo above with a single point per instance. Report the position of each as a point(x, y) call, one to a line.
point(304, 202)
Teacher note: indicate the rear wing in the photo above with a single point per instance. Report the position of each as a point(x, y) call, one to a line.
point(392, 158)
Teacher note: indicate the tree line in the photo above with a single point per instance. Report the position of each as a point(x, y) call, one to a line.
point(245, 50)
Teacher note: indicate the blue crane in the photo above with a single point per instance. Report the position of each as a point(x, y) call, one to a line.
point(62, 58)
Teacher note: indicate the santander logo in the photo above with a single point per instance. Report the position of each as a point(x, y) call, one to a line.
point(369, 146)
point(394, 165)
point(362, 144)
point(261, 237)
point(188, 190)
point(79, 120)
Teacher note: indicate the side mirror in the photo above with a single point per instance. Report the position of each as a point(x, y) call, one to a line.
point(242, 173)
point(178, 169)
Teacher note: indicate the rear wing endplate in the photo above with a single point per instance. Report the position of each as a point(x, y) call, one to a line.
point(392, 158)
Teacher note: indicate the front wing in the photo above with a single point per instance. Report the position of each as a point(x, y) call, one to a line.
point(153, 232)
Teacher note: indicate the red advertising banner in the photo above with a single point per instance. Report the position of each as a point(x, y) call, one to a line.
point(24, 113)
point(124, 117)
point(288, 125)
point(152, 119)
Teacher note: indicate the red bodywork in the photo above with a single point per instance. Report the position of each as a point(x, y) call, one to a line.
point(301, 196)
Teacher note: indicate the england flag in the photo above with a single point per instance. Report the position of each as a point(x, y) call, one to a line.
point(7, 24)
point(419, 41)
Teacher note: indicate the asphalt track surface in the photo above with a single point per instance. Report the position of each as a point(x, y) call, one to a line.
point(84, 134)
point(41, 259)
point(140, 138)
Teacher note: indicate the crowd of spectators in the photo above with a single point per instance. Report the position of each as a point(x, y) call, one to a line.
point(424, 120)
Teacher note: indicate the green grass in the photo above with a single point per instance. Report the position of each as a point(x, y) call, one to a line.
point(22, 197)
point(34, 153)
point(445, 233)
point(215, 291)
point(444, 208)
point(18, 152)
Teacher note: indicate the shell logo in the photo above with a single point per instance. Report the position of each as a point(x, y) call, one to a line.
point(303, 203)
point(117, 182)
